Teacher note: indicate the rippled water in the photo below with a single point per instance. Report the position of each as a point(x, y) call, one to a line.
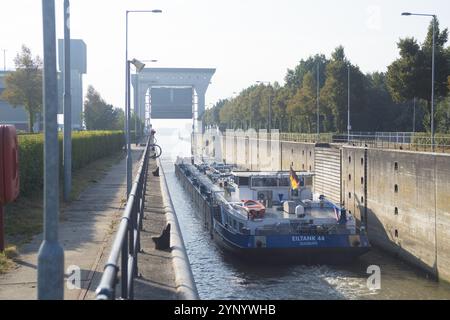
point(219, 275)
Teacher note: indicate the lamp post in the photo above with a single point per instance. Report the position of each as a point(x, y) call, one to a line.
point(67, 147)
point(318, 108)
point(139, 67)
point(349, 126)
point(269, 120)
point(432, 69)
point(4, 59)
point(414, 115)
point(50, 266)
point(127, 104)
point(137, 110)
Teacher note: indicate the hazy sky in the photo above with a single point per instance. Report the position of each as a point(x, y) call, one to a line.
point(246, 40)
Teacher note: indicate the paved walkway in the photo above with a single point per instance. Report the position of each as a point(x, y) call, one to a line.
point(85, 235)
point(157, 277)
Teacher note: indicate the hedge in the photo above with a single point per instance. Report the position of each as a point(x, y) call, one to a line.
point(87, 146)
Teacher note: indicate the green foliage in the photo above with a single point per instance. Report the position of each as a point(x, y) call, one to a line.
point(99, 115)
point(303, 106)
point(410, 75)
point(294, 78)
point(87, 146)
point(443, 116)
point(23, 87)
point(378, 101)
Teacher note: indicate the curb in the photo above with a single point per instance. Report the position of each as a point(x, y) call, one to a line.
point(184, 278)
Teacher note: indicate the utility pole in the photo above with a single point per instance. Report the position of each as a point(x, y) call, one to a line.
point(318, 108)
point(432, 70)
point(432, 85)
point(127, 118)
point(349, 127)
point(67, 161)
point(270, 113)
point(51, 254)
point(4, 59)
point(414, 115)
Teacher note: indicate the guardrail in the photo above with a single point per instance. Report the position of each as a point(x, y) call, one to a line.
point(127, 241)
point(417, 142)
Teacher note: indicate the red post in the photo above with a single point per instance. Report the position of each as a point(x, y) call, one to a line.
point(2, 228)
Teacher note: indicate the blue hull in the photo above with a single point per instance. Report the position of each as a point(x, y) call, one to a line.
point(309, 249)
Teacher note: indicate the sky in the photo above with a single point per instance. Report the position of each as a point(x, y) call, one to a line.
point(245, 40)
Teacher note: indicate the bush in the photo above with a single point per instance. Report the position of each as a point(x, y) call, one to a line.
point(87, 146)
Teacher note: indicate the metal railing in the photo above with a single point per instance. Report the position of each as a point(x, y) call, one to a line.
point(127, 241)
point(403, 141)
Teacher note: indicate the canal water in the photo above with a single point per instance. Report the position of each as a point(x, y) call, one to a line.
point(219, 275)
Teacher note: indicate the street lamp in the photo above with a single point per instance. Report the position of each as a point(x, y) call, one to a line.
point(269, 126)
point(432, 70)
point(137, 110)
point(349, 126)
point(317, 98)
point(139, 65)
point(50, 264)
point(127, 98)
point(67, 106)
point(4, 59)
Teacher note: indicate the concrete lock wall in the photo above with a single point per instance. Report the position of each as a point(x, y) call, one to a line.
point(353, 181)
point(408, 203)
point(299, 155)
point(407, 199)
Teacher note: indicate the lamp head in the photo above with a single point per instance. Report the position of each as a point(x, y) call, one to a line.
point(138, 64)
point(406, 13)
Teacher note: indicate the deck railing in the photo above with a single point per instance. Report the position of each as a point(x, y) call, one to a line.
point(127, 241)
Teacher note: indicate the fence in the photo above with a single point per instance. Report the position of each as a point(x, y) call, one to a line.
point(127, 241)
point(398, 141)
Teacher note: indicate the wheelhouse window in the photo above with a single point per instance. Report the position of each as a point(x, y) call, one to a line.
point(264, 182)
point(284, 182)
point(308, 181)
point(242, 181)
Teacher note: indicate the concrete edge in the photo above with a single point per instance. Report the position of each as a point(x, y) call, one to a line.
point(184, 278)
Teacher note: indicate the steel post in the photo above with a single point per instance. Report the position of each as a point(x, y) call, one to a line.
point(51, 254)
point(67, 162)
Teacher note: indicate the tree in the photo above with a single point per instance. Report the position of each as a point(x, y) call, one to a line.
point(211, 117)
point(404, 76)
point(98, 115)
point(443, 116)
point(24, 86)
point(119, 114)
point(383, 112)
point(303, 103)
point(294, 78)
point(410, 75)
point(279, 107)
point(334, 94)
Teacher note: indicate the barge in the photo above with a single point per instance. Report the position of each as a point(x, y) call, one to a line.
point(271, 216)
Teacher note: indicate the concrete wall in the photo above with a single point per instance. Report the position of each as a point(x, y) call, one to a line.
point(407, 199)
point(299, 155)
point(353, 180)
point(412, 222)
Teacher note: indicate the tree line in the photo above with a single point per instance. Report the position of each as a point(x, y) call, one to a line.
point(379, 101)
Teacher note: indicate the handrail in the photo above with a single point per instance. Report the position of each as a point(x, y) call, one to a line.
point(127, 241)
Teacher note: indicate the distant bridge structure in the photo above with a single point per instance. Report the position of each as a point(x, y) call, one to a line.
point(171, 93)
